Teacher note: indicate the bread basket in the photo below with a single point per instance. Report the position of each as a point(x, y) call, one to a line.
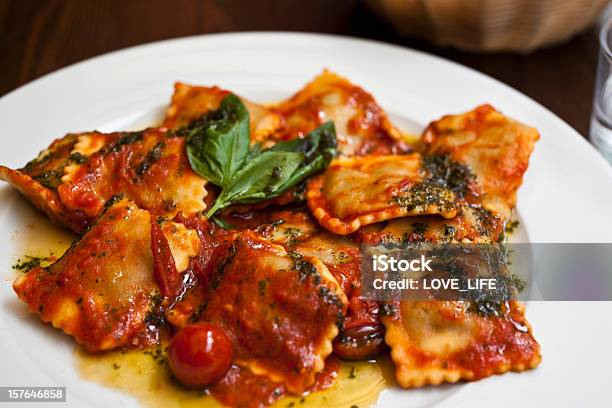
point(490, 25)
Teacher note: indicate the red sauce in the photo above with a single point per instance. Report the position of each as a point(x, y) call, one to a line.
point(214, 247)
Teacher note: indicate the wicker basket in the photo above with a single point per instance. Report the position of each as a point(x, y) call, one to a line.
point(491, 25)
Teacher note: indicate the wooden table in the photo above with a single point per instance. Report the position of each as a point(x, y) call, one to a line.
point(40, 36)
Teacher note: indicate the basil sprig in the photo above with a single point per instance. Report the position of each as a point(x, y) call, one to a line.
point(218, 150)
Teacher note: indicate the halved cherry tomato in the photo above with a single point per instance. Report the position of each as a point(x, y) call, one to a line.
point(200, 354)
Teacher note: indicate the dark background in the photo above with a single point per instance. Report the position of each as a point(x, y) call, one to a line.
point(40, 36)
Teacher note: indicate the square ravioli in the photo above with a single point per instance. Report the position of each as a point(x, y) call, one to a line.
point(361, 124)
point(104, 290)
point(495, 147)
point(281, 310)
point(72, 180)
point(38, 179)
point(358, 191)
point(433, 342)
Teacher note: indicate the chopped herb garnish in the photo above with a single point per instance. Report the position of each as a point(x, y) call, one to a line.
point(486, 307)
point(51, 178)
point(511, 226)
point(263, 284)
point(443, 178)
point(485, 220)
point(292, 235)
point(77, 158)
point(422, 195)
point(158, 354)
point(27, 263)
point(127, 138)
point(518, 282)
point(152, 156)
point(449, 231)
point(303, 267)
point(444, 172)
point(341, 257)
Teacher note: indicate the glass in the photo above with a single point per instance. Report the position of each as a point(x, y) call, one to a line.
point(601, 118)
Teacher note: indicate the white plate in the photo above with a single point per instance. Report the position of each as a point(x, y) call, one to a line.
point(566, 196)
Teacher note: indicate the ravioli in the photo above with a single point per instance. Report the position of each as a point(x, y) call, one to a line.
point(495, 147)
point(448, 341)
point(472, 224)
point(73, 179)
point(354, 192)
point(191, 102)
point(280, 309)
point(362, 334)
point(38, 180)
point(362, 127)
point(103, 291)
point(45, 199)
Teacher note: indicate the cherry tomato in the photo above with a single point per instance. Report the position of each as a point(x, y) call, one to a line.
point(200, 354)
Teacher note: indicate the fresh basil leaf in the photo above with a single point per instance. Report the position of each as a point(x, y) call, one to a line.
point(321, 140)
point(218, 143)
point(203, 168)
point(254, 151)
point(318, 147)
point(318, 165)
point(218, 150)
point(261, 178)
point(258, 180)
